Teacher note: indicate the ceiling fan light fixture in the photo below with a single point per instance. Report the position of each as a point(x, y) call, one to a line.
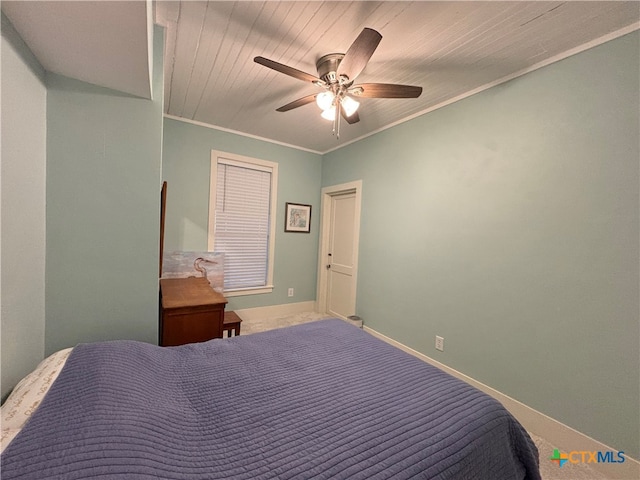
point(349, 105)
point(329, 113)
point(325, 100)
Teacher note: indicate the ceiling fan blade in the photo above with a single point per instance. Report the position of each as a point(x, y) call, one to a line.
point(297, 103)
point(354, 118)
point(359, 53)
point(385, 90)
point(292, 72)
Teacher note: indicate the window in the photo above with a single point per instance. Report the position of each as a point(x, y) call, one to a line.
point(242, 203)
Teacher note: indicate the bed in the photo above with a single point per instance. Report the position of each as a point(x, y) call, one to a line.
point(322, 400)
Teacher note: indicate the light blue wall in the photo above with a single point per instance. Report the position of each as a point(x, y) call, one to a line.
point(103, 191)
point(23, 175)
point(508, 224)
point(186, 165)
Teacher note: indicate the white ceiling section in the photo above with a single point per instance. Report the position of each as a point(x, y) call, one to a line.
point(448, 48)
point(101, 42)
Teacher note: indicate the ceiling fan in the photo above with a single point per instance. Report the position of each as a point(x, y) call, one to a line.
point(336, 74)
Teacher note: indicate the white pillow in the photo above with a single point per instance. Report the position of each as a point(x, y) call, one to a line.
point(28, 394)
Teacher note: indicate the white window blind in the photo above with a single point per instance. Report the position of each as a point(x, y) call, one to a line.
point(243, 222)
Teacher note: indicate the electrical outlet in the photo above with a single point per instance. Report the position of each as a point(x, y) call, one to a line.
point(439, 343)
point(290, 292)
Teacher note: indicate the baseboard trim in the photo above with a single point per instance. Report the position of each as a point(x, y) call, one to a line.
point(567, 439)
point(273, 311)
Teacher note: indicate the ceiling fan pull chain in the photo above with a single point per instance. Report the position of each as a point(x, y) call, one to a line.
point(333, 131)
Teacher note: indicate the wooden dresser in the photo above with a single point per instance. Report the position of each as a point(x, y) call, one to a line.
point(190, 311)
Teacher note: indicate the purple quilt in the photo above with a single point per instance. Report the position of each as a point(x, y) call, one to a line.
point(323, 400)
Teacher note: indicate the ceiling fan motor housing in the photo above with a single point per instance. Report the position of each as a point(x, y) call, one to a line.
point(327, 67)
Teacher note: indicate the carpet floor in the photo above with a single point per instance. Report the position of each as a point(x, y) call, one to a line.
point(548, 469)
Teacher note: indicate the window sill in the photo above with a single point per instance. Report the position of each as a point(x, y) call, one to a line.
point(248, 291)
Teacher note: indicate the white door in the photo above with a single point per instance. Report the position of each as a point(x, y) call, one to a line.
point(338, 262)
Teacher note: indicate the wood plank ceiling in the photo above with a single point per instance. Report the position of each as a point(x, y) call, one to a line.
point(448, 48)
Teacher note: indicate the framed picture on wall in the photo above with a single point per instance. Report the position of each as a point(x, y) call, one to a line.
point(297, 218)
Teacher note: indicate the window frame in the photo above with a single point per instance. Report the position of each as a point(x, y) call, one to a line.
point(256, 164)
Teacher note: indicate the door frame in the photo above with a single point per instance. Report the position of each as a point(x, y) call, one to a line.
point(325, 228)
